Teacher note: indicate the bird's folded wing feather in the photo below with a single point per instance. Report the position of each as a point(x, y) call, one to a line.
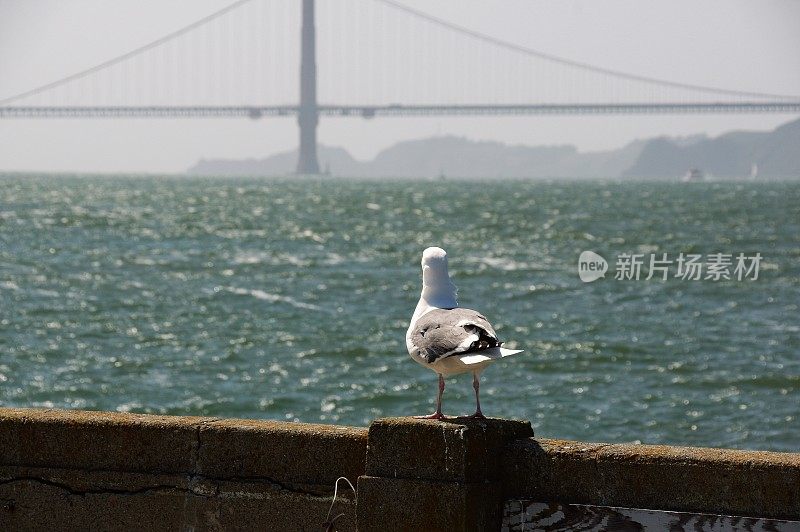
point(445, 332)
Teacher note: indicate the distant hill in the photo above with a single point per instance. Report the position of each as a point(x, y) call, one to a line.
point(777, 154)
point(279, 164)
point(448, 155)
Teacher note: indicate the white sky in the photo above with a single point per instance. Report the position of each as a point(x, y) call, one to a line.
point(737, 44)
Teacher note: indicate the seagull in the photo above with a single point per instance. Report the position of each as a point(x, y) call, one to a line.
point(446, 338)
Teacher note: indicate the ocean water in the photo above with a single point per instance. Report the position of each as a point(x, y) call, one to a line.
point(289, 299)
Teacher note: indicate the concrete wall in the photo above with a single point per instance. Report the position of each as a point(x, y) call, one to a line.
point(690, 479)
point(103, 471)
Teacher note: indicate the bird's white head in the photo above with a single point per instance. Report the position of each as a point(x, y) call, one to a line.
point(437, 288)
point(434, 267)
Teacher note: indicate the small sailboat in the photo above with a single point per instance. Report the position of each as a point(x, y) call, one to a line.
point(754, 171)
point(693, 175)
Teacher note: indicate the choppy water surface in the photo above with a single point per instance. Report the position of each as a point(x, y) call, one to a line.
point(289, 299)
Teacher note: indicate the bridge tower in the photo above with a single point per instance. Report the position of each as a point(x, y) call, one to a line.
point(308, 115)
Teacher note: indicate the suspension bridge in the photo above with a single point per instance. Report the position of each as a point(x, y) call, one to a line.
point(362, 58)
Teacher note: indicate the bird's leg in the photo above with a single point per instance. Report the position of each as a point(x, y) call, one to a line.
point(438, 414)
point(476, 384)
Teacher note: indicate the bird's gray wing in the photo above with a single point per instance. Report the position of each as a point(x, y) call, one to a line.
point(445, 332)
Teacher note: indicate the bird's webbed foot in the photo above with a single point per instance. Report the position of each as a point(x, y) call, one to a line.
point(435, 415)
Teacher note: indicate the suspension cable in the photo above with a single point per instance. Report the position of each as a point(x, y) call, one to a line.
point(128, 55)
point(568, 62)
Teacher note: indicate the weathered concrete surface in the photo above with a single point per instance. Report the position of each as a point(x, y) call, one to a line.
point(317, 454)
point(428, 506)
point(458, 449)
point(39, 502)
point(430, 475)
point(98, 440)
point(70, 470)
point(746, 483)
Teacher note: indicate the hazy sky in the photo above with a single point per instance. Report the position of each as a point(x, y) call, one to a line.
point(737, 44)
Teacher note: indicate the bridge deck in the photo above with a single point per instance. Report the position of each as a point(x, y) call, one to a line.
point(369, 111)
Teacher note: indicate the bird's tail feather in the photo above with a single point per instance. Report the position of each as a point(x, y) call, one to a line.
point(488, 354)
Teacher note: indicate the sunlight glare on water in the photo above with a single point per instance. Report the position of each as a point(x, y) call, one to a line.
point(289, 299)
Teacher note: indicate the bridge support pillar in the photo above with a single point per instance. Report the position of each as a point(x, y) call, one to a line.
point(308, 116)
